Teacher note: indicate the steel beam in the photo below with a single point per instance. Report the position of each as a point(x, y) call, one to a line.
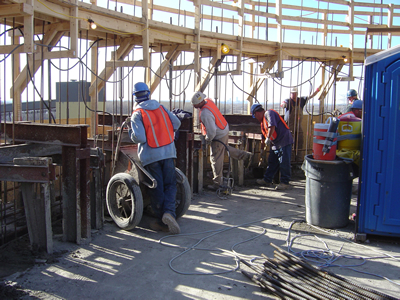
point(40, 174)
point(69, 135)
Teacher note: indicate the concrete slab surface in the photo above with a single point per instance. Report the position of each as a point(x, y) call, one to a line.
point(201, 263)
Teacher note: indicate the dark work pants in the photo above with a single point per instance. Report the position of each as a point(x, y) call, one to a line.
point(279, 160)
point(164, 195)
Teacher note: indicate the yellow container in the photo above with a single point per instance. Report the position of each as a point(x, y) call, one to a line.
point(349, 124)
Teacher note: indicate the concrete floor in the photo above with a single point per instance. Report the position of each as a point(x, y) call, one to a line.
point(200, 263)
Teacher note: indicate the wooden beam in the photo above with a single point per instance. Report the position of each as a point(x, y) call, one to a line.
point(94, 96)
point(390, 24)
point(207, 76)
point(28, 30)
point(171, 56)
point(73, 31)
point(267, 66)
point(51, 38)
point(108, 71)
point(146, 40)
point(125, 63)
point(16, 10)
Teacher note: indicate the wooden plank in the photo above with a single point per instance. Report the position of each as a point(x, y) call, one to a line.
point(28, 30)
point(16, 10)
point(73, 31)
point(171, 56)
point(107, 72)
point(125, 63)
point(22, 80)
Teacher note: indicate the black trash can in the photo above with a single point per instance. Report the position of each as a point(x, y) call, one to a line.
point(328, 191)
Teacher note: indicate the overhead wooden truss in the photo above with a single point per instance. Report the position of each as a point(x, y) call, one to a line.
point(54, 19)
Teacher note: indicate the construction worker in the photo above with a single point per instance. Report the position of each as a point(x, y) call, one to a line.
point(294, 114)
point(356, 108)
point(351, 96)
point(277, 135)
point(152, 128)
point(215, 127)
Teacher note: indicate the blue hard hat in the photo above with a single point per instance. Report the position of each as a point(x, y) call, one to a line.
point(351, 93)
point(356, 104)
point(254, 108)
point(141, 92)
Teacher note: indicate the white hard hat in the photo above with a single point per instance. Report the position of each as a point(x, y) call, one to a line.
point(198, 97)
point(293, 90)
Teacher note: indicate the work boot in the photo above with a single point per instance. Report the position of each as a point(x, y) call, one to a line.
point(283, 186)
point(157, 225)
point(264, 183)
point(248, 159)
point(173, 226)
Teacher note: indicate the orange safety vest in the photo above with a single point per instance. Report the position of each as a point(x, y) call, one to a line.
point(219, 118)
point(158, 127)
point(264, 126)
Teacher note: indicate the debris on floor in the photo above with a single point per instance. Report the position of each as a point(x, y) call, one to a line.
point(289, 277)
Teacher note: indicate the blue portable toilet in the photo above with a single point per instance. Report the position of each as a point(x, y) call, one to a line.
point(378, 210)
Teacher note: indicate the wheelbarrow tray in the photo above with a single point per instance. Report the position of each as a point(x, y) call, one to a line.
point(127, 191)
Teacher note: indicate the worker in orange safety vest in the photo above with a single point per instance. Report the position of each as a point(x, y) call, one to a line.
point(215, 127)
point(152, 128)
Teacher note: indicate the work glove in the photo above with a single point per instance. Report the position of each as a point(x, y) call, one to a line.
point(204, 142)
point(128, 122)
point(267, 142)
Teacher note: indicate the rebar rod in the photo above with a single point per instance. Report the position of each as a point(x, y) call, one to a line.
point(305, 286)
point(293, 290)
point(335, 278)
point(333, 289)
point(271, 288)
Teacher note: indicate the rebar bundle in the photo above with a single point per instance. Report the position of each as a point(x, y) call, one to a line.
point(289, 277)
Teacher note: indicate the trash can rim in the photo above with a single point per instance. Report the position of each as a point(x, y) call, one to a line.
point(337, 160)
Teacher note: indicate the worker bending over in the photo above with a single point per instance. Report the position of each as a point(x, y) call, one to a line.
point(215, 127)
point(277, 135)
point(153, 127)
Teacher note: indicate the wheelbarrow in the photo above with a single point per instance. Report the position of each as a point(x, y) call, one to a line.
point(127, 190)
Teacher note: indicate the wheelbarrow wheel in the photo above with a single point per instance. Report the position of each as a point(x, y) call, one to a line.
point(183, 194)
point(124, 201)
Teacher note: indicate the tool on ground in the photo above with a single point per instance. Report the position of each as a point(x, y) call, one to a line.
point(333, 126)
point(226, 186)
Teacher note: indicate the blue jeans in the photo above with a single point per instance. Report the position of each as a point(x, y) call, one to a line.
point(162, 198)
point(279, 160)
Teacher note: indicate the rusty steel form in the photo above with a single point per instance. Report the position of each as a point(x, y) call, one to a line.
point(75, 161)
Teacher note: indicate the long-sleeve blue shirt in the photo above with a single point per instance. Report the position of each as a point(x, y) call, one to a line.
point(137, 133)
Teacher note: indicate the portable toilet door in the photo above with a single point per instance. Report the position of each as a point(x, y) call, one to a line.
point(378, 203)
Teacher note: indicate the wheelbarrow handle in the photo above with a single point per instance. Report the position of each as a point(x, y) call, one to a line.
point(153, 184)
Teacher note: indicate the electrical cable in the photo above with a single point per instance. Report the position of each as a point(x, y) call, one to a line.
point(325, 258)
point(12, 51)
point(211, 234)
point(40, 95)
point(87, 51)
